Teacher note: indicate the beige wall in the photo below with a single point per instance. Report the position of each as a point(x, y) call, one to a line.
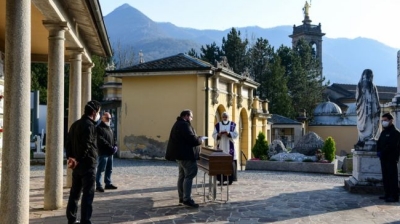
point(345, 136)
point(150, 106)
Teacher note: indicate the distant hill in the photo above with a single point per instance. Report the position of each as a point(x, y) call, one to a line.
point(343, 59)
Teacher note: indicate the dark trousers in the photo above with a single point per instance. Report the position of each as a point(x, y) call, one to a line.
point(187, 171)
point(390, 179)
point(104, 163)
point(82, 181)
point(232, 177)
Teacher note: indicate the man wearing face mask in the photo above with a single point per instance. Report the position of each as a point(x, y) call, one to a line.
point(388, 147)
point(107, 148)
point(81, 151)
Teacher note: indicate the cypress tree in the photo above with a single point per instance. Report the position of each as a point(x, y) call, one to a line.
point(329, 149)
point(260, 149)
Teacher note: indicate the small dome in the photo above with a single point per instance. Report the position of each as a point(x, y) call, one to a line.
point(327, 108)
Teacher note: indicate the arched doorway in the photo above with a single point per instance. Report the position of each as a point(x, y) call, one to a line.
point(217, 118)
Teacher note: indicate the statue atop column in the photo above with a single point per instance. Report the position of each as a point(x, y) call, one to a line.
point(306, 9)
point(368, 112)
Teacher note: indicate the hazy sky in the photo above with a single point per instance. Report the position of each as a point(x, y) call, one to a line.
point(375, 19)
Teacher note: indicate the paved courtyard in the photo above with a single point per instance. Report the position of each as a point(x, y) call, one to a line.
point(147, 194)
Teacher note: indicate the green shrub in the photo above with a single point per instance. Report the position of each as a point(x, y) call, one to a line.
point(260, 149)
point(329, 149)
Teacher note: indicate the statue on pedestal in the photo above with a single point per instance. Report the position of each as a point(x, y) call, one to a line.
point(306, 9)
point(368, 112)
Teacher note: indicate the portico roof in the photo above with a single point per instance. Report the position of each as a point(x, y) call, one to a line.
point(84, 19)
point(179, 62)
point(348, 91)
point(278, 119)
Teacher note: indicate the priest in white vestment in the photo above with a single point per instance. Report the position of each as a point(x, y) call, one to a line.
point(225, 135)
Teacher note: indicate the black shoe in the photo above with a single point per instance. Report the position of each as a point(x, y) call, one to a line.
point(392, 200)
point(99, 189)
point(191, 203)
point(111, 187)
point(180, 201)
point(383, 197)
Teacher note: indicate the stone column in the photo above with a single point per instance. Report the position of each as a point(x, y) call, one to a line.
point(53, 187)
point(398, 74)
point(396, 98)
point(75, 86)
point(14, 207)
point(86, 84)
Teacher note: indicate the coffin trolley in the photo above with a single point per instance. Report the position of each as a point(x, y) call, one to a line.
point(214, 162)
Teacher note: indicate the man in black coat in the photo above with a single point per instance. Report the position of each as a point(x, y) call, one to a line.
point(183, 146)
point(107, 148)
point(81, 152)
point(388, 147)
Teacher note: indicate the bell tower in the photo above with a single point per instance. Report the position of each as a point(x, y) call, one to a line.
point(310, 33)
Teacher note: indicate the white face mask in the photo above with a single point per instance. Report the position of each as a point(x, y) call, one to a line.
point(97, 117)
point(385, 124)
point(108, 123)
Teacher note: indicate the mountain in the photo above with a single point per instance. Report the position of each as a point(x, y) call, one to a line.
point(343, 59)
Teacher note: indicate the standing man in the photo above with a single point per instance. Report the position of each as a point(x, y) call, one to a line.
point(107, 148)
point(224, 135)
point(81, 151)
point(183, 146)
point(388, 147)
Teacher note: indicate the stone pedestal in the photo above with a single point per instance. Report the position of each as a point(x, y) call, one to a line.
point(39, 155)
point(369, 145)
point(367, 174)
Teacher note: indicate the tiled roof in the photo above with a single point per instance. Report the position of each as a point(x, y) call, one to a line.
point(179, 62)
point(278, 119)
point(349, 90)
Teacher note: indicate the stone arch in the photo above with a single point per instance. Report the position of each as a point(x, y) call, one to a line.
point(244, 137)
point(314, 49)
point(217, 118)
point(218, 112)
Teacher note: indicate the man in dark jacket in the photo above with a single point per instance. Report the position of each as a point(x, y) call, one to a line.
point(388, 147)
point(183, 146)
point(107, 148)
point(81, 151)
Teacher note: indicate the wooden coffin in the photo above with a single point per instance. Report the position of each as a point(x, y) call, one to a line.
point(215, 162)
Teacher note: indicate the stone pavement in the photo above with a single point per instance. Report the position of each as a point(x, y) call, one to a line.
point(147, 194)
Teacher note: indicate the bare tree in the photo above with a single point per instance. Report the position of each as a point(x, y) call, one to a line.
point(124, 55)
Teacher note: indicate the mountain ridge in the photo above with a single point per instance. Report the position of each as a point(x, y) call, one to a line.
point(344, 59)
